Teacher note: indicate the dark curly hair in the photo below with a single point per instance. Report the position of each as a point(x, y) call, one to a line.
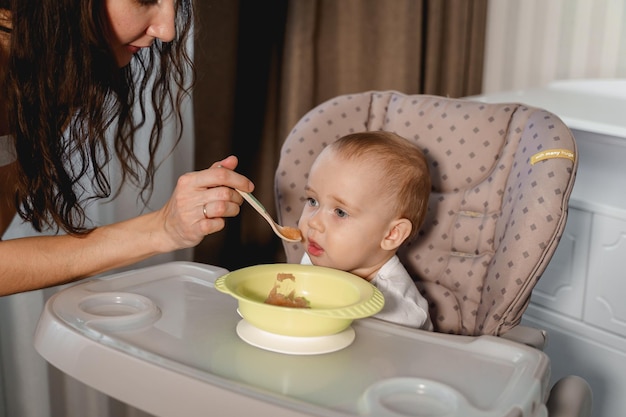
point(72, 110)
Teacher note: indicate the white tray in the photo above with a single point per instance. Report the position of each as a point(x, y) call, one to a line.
point(162, 339)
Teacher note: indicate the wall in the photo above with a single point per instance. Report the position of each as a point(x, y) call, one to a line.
point(532, 42)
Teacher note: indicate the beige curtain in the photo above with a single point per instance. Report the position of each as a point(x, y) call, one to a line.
point(255, 84)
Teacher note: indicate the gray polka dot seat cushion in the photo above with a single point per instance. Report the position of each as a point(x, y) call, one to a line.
point(502, 175)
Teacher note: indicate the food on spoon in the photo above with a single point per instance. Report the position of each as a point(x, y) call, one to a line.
point(283, 293)
point(291, 233)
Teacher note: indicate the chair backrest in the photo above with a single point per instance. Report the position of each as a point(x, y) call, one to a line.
point(495, 213)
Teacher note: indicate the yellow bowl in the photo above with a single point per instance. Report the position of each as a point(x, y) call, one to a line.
point(336, 298)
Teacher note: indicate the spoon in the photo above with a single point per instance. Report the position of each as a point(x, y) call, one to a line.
point(290, 234)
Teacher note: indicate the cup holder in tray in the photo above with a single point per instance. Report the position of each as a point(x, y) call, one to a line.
point(413, 397)
point(117, 311)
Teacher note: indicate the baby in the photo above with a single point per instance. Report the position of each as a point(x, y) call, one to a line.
point(367, 193)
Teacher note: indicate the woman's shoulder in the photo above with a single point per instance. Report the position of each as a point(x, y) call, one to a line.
point(7, 151)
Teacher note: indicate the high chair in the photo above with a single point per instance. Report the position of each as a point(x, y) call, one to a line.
point(502, 175)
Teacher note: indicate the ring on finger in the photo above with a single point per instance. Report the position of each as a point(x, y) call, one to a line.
point(206, 216)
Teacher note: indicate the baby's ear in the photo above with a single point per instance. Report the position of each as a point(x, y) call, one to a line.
point(399, 231)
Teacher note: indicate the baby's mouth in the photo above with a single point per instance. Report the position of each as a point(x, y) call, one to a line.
point(313, 249)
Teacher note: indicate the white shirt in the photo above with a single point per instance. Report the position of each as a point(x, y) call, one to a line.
point(7, 151)
point(403, 302)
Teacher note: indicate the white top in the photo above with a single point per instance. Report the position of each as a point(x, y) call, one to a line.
point(7, 151)
point(403, 302)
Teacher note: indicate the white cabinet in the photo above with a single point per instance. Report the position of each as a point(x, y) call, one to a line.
point(581, 297)
point(605, 304)
point(586, 278)
point(564, 290)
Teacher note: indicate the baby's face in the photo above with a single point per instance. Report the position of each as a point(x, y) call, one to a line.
point(346, 216)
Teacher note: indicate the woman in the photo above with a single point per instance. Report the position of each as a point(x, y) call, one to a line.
point(71, 70)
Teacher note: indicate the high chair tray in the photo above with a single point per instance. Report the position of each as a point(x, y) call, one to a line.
point(164, 340)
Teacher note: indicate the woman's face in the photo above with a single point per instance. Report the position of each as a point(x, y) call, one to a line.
point(135, 24)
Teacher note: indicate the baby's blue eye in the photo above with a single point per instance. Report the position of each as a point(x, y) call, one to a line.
point(311, 201)
point(340, 213)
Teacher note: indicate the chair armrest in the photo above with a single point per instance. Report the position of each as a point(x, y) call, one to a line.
point(571, 396)
point(527, 335)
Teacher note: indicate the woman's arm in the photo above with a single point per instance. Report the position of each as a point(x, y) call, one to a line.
point(37, 262)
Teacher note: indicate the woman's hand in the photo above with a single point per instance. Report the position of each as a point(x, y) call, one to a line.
point(201, 201)
point(197, 207)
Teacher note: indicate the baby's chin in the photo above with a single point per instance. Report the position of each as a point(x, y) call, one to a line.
point(327, 263)
point(322, 261)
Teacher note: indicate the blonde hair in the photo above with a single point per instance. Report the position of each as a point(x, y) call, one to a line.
point(403, 167)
